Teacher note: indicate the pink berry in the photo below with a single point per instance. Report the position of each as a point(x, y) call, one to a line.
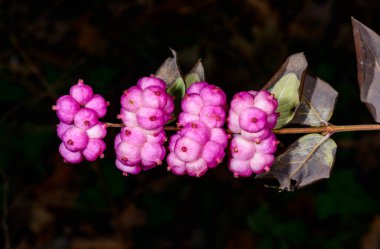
point(62, 128)
point(240, 167)
point(146, 82)
point(252, 119)
point(85, 118)
point(173, 140)
point(128, 154)
point(233, 122)
point(69, 156)
point(81, 92)
point(134, 169)
point(267, 145)
point(196, 87)
point(192, 103)
point(97, 131)
point(261, 163)
point(196, 168)
point(117, 141)
point(220, 136)
point(133, 135)
point(75, 139)
point(272, 120)
point(213, 116)
point(94, 149)
point(241, 148)
point(155, 97)
point(151, 118)
point(156, 136)
point(213, 95)
point(185, 118)
point(132, 99)
point(66, 107)
point(213, 154)
point(196, 130)
point(265, 101)
point(241, 101)
point(255, 137)
point(128, 118)
point(187, 149)
point(152, 153)
point(98, 104)
point(175, 165)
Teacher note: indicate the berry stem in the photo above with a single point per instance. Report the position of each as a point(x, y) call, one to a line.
point(297, 130)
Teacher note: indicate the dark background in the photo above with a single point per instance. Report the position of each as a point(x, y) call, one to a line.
point(46, 46)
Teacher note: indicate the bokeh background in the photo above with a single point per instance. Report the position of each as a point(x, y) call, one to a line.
point(46, 46)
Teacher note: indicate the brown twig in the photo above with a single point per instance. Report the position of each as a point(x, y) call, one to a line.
point(299, 130)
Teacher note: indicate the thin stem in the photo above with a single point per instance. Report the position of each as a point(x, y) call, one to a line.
point(328, 129)
point(298, 130)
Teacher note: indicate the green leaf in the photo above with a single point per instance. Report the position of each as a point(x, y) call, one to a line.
point(287, 85)
point(286, 92)
point(196, 74)
point(306, 161)
point(169, 70)
point(317, 103)
point(177, 90)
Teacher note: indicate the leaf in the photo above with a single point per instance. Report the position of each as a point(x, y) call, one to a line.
point(317, 103)
point(178, 91)
point(367, 47)
point(170, 73)
point(197, 74)
point(169, 70)
point(287, 90)
point(287, 95)
point(306, 161)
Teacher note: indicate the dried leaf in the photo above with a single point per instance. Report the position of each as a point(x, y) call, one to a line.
point(286, 92)
point(197, 74)
point(367, 47)
point(169, 70)
point(306, 161)
point(294, 68)
point(317, 103)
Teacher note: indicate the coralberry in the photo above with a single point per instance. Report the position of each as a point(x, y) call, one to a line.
point(200, 144)
point(79, 128)
point(252, 114)
point(145, 110)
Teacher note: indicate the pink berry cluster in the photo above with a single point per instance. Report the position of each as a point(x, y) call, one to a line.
point(145, 110)
point(79, 129)
point(201, 142)
point(252, 116)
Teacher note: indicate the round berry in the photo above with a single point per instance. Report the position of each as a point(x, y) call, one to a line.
point(85, 118)
point(241, 101)
point(69, 156)
point(128, 154)
point(192, 103)
point(252, 119)
point(187, 149)
point(132, 99)
point(146, 82)
point(75, 139)
point(66, 107)
point(98, 104)
point(240, 167)
point(81, 92)
point(150, 118)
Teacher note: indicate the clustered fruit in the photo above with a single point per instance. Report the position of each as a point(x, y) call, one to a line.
point(79, 129)
point(201, 142)
point(198, 145)
point(145, 110)
point(251, 117)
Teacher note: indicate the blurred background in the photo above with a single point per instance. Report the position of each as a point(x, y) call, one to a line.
point(46, 46)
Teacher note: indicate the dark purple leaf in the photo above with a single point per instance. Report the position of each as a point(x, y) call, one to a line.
point(317, 103)
point(307, 160)
point(367, 47)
